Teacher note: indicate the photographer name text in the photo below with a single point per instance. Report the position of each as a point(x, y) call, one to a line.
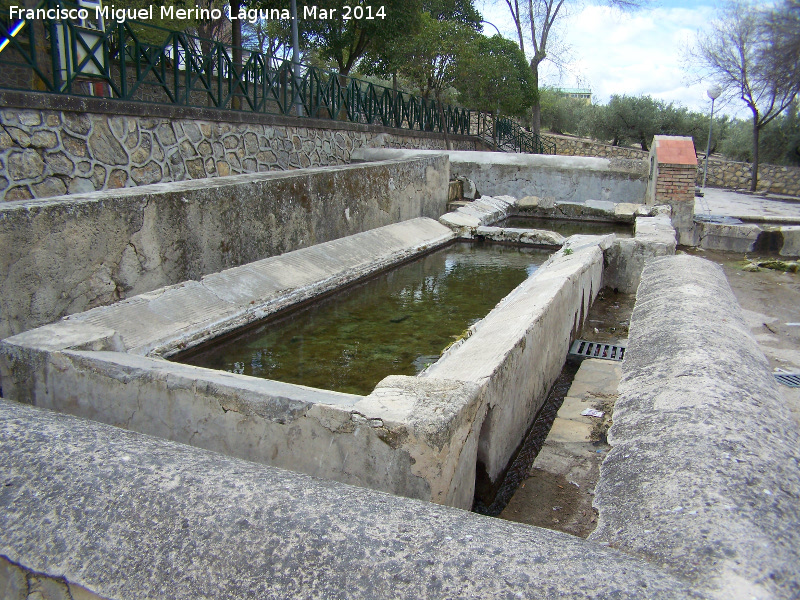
point(110, 12)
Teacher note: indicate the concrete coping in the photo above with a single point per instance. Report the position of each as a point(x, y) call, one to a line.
point(170, 319)
point(181, 186)
point(704, 474)
point(93, 511)
point(635, 168)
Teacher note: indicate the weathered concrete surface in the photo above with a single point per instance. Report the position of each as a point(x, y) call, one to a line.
point(516, 352)
point(565, 178)
point(465, 220)
point(625, 259)
point(477, 219)
point(535, 237)
point(104, 365)
point(723, 236)
point(594, 386)
point(68, 254)
point(704, 475)
point(128, 516)
point(747, 237)
point(590, 210)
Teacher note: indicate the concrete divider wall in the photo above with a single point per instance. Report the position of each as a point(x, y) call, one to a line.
point(704, 474)
point(564, 178)
point(626, 257)
point(67, 254)
point(516, 352)
point(86, 506)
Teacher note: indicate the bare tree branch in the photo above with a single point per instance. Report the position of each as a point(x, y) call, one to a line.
point(749, 53)
point(542, 16)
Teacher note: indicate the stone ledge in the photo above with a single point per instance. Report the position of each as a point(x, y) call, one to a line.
point(124, 515)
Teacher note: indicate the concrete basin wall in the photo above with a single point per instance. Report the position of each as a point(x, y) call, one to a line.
point(412, 436)
point(704, 475)
point(67, 254)
point(105, 365)
point(624, 257)
point(563, 178)
point(749, 237)
point(90, 511)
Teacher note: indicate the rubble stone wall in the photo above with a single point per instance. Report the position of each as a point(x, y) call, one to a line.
point(54, 145)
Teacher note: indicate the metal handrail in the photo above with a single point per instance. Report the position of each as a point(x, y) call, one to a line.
point(122, 61)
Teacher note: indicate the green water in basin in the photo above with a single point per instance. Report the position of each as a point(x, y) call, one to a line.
point(394, 324)
point(568, 227)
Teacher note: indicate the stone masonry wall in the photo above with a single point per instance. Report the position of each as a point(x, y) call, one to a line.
point(775, 179)
point(570, 146)
point(47, 152)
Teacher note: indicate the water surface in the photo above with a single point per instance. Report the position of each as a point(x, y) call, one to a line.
point(568, 227)
point(396, 323)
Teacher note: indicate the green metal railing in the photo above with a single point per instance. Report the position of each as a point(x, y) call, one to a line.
point(510, 136)
point(143, 62)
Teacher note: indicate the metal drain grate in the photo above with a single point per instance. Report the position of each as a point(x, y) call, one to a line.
point(597, 350)
point(790, 379)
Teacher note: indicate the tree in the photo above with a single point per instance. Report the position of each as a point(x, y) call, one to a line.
point(428, 59)
point(460, 11)
point(390, 59)
point(740, 52)
point(541, 16)
point(784, 23)
point(346, 41)
point(493, 75)
point(560, 113)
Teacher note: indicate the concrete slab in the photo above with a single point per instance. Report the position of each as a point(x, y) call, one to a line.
point(569, 431)
point(728, 203)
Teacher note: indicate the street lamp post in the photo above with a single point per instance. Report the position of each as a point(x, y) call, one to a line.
point(713, 93)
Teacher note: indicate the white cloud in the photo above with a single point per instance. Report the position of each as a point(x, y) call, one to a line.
point(626, 53)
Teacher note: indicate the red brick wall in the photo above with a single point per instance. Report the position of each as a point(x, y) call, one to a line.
point(675, 182)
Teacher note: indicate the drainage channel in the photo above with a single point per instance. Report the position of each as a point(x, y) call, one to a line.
point(545, 492)
point(530, 447)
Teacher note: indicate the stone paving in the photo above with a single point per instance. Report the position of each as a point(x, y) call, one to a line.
point(741, 205)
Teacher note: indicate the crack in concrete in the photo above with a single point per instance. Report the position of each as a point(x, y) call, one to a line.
point(35, 579)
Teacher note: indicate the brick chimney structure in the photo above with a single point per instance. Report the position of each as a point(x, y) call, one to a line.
point(673, 169)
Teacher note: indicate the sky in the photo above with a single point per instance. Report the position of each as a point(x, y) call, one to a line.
point(636, 53)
